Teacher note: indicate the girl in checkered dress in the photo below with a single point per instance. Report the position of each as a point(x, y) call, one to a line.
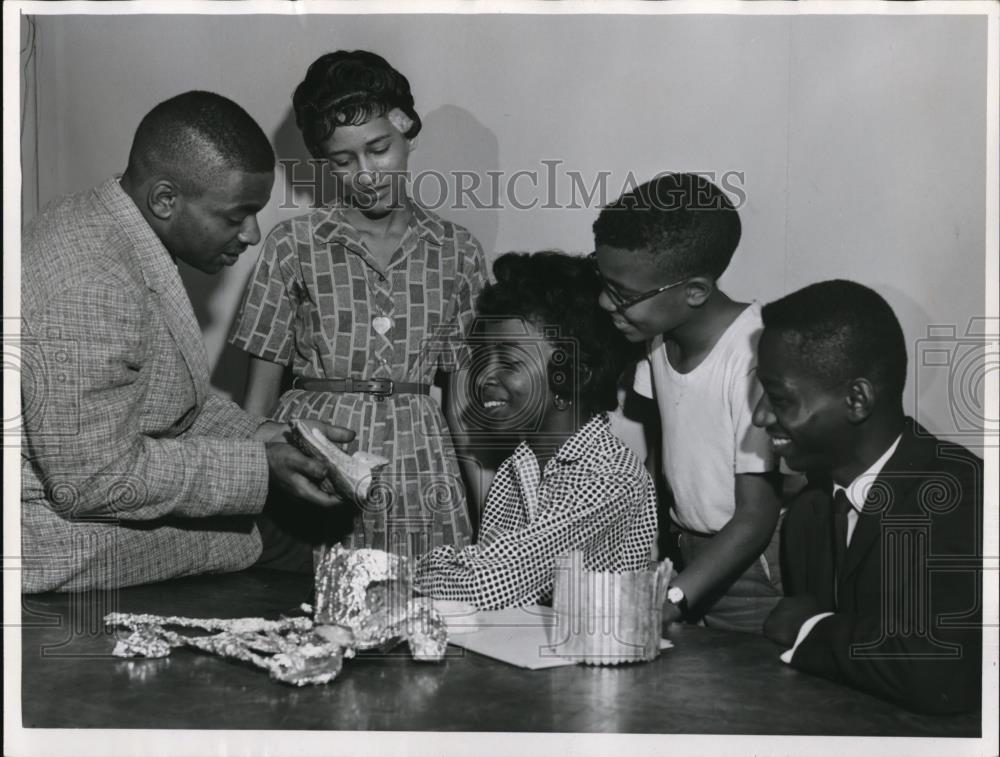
point(546, 363)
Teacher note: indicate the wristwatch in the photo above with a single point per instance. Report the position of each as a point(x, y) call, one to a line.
point(675, 596)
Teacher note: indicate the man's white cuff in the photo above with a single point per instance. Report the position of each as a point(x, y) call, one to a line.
point(787, 655)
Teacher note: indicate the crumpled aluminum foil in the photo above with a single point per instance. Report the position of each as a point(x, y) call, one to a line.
point(427, 634)
point(366, 590)
point(364, 600)
point(371, 593)
point(291, 650)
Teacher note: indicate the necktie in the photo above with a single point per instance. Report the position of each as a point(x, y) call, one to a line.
point(841, 506)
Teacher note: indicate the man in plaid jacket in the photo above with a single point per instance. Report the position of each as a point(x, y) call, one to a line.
point(132, 471)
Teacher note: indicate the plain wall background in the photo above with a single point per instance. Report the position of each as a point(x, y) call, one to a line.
point(861, 139)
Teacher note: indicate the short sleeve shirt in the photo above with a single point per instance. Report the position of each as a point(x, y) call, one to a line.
point(706, 417)
point(316, 292)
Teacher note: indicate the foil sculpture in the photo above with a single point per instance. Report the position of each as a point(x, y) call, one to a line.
point(363, 601)
point(292, 650)
point(370, 592)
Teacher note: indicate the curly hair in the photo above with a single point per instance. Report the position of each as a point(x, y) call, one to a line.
point(843, 330)
point(682, 220)
point(349, 88)
point(556, 291)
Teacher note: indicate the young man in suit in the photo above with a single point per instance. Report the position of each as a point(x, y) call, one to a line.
point(883, 547)
point(132, 471)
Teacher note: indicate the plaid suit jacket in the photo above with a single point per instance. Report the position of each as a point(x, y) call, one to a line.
point(131, 470)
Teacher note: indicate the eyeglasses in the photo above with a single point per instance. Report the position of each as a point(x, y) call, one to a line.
point(622, 304)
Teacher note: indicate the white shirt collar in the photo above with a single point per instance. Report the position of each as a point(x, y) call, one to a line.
point(857, 490)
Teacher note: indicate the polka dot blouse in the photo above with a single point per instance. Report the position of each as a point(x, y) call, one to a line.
point(594, 495)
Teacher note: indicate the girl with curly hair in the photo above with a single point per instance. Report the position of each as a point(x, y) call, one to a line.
point(545, 372)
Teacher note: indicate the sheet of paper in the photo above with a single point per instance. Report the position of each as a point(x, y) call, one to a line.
point(518, 636)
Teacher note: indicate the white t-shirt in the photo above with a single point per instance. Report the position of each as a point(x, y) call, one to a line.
point(708, 434)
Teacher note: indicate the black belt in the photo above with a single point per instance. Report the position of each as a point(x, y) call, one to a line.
point(380, 387)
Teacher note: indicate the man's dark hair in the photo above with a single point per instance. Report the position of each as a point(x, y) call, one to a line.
point(193, 136)
point(843, 330)
point(682, 220)
point(556, 291)
point(349, 88)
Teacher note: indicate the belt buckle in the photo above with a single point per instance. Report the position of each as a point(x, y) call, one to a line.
point(382, 388)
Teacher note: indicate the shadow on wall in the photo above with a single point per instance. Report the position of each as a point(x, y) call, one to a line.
point(456, 146)
point(303, 183)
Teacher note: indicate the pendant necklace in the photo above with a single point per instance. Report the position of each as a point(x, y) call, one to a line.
point(381, 323)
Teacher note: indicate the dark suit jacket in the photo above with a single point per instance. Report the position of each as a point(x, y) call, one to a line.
point(907, 622)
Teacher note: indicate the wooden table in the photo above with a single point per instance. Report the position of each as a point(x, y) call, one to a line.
point(712, 682)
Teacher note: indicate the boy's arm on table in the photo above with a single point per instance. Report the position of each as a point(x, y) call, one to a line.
point(737, 544)
point(506, 568)
point(86, 443)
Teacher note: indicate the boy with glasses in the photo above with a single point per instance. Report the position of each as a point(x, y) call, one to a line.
point(660, 250)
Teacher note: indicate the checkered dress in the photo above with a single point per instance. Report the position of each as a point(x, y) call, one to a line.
point(311, 302)
point(594, 496)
